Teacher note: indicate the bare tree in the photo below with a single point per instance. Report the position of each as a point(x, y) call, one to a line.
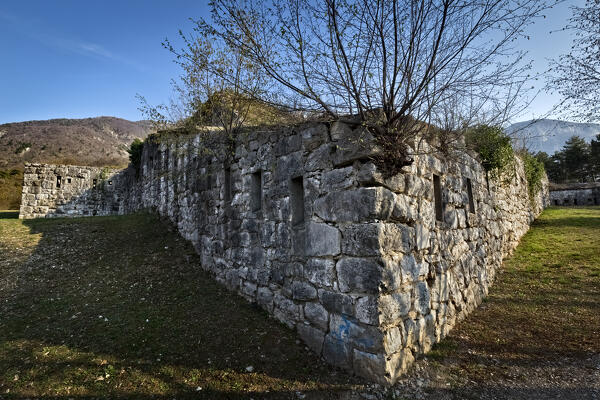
point(215, 93)
point(399, 66)
point(577, 74)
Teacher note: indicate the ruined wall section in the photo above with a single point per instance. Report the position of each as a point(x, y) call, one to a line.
point(457, 227)
point(370, 277)
point(370, 270)
point(575, 197)
point(69, 191)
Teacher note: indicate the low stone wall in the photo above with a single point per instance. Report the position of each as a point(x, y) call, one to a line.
point(69, 191)
point(575, 197)
point(370, 271)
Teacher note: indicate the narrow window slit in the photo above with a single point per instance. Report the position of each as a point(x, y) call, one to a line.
point(470, 194)
point(58, 181)
point(437, 194)
point(227, 188)
point(297, 200)
point(256, 191)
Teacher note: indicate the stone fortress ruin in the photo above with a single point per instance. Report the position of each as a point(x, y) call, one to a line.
point(370, 271)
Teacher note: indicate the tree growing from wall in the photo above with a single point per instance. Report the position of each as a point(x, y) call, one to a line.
point(398, 66)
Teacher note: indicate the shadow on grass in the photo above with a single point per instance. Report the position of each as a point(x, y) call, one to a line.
point(119, 307)
point(8, 214)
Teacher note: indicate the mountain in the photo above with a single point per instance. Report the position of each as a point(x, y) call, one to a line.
point(100, 141)
point(550, 135)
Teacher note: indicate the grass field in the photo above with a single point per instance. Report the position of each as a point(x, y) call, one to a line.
point(118, 307)
point(537, 334)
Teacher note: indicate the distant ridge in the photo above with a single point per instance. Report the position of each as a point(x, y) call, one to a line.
point(550, 135)
point(99, 141)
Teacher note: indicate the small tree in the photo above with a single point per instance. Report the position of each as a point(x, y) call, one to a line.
point(577, 74)
point(135, 153)
point(216, 92)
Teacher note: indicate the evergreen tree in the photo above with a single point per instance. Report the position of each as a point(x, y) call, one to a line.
point(577, 159)
point(595, 157)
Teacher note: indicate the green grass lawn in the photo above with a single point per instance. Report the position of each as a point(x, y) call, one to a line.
point(119, 307)
point(542, 313)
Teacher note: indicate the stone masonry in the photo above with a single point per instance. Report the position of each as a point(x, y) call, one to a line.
point(370, 271)
point(576, 197)
point(66, 190)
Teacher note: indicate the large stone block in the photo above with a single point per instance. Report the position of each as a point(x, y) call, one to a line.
point(359, 275)
point(320, 271)
point(312, 337)
point(322, 240)
point(358, 205)
point(394, 307)
point(317, 315)
point(337, 302)
point(367, 310)
point(364, 337)
point(361, 240)
point(337, 352)
point(371, 366)
point(303, 291)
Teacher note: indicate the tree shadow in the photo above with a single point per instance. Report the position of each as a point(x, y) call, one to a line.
point(129, 293)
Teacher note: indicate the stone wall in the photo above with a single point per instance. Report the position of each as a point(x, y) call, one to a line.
point(575, 197)
point(370, 271)
point(69, 191)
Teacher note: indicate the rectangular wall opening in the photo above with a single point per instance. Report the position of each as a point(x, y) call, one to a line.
point(95, 182)
point(470, 193)
point(227, 184)
point(297, 201)
point(437, 196)
point(256, 192)
point(58, 181)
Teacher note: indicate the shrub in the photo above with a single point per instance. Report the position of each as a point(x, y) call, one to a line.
point(494, 148)
point(534, 172)
point(22, 147)
point(135, 153)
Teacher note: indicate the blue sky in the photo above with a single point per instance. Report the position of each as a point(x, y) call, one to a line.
point(77, 59)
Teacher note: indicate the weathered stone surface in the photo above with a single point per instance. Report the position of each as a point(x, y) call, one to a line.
point(394, 339)
point(394, 307)
point(317, 315)
point(303, 291)
point(366, 273)
point(359, 205)
point(370, 365)
point(341, 178)
point(364, 337)
point(320, 271)
point(422, 298)
point(337, 352)
point(359, 275)
point(312, 337)
point(322, 240)
point(366, 310)
point(361, 240)
point(337, 302)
